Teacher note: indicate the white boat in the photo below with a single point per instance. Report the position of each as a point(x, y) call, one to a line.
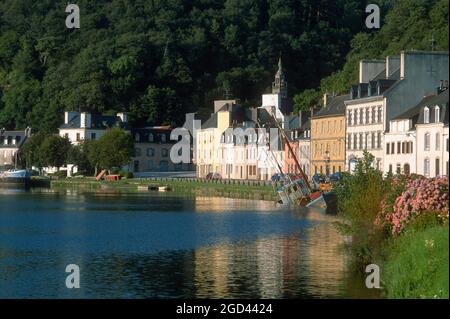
point(15, 173)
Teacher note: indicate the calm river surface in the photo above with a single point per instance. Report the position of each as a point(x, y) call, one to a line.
point(168, 246)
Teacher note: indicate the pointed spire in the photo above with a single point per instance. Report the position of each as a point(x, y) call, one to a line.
point(279, 86)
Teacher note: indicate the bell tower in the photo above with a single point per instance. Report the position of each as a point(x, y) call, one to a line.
point(279, 86)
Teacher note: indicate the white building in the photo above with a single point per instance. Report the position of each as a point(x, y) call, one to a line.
point(79, 126)
point(432, 136)
point(386, 90)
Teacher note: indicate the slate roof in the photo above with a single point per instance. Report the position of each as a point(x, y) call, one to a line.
point(19, 136)
point(100, 122)
point(335, 107)
point(440, 100)
point(142, 135)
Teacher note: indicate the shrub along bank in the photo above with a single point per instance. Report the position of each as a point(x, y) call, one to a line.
point(388, 218)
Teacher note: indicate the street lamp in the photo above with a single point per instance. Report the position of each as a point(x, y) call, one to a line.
point(327, 162)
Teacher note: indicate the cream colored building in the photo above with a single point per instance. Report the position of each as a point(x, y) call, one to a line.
point(432, 134)
point(386, 89)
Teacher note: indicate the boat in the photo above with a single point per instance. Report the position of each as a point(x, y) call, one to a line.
point(15, 178)
point(295, 189)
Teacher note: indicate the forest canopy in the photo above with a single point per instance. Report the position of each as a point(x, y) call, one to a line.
point(158, 59)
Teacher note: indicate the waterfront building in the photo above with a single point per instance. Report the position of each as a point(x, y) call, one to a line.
point(248, 156)
point(432, 135)
point(328, 136)
point(152, 151)
point(299, 137)
point(386, 89)
point(79, 126)
point(11, 143)
point(209, 156)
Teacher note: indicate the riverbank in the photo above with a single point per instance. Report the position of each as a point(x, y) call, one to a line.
point(232, 189)
point(399, 223)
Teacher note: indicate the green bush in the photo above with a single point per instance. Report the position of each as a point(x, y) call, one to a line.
point(59, 174)
point(417, 265)
point(359, 198)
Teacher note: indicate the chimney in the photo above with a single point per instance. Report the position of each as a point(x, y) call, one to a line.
point(123, 117)
point(85, 120)
point(68, 116)
point(326, 98)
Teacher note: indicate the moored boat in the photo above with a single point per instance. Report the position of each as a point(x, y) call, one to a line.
point(15, 178)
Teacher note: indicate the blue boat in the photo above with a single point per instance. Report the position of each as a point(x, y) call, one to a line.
point(15, 178)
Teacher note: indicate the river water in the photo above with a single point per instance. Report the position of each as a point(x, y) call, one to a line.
point(154, 245)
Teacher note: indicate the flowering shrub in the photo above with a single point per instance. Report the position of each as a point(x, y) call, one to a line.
point(420, 196)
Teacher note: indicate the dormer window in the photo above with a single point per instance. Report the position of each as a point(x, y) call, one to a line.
point(426, 115)
point(437, 114)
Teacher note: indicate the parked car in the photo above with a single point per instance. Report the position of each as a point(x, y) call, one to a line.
point(213, 176)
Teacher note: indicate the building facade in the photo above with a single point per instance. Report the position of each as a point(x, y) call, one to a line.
point(11, 143)
point(152, 146)
point(432, 136)
point(328, 137)
point(79, 126)
point(385, 91)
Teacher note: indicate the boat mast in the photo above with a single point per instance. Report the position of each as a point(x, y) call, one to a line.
point(292, 152)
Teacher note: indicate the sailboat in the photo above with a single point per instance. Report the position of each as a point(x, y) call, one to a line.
point(295, 189)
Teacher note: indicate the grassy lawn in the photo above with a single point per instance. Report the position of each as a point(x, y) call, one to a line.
point(418, 265)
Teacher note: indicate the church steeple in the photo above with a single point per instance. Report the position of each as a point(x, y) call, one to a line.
point(280, 84)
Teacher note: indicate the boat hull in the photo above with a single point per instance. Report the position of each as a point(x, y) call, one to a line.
point(14, 182)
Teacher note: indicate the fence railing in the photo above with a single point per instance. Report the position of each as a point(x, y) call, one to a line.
point(206, 181)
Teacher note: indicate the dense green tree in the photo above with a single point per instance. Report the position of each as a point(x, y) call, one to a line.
point(54, 150)
point(31, 151)
point(306, 100)
point(115, 149)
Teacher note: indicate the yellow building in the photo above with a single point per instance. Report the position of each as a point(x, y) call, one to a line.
point(328, 137)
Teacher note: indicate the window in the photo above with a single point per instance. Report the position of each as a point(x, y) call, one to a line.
point(406, 169)
point(374, 111)
point(137, 137)
point(427, 142)
point(355, 142)
point(93, 136)
point(150, 165)
point(361, 141)
point(150, 152)
point(164, 152)
point(349, 141)
point(360, 116)
point(393, 148)
point(399, 148)
point(367, 115)
point(357, 117)
point(426, 167)
point(426, 115)
point(78, 137)
point(164, 166)
point(438, 141)
point(137, 152)
point(437, 168)
point(387, 148)
point(379, 140)
point(436, 114)
point(390, 168)
point(163, 138)
point(399, 168)
point(150, 137)
point(379, 115)
point(373, 140)
point(403, 148)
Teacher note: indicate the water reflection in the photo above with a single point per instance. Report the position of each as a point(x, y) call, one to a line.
point(168, 246)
